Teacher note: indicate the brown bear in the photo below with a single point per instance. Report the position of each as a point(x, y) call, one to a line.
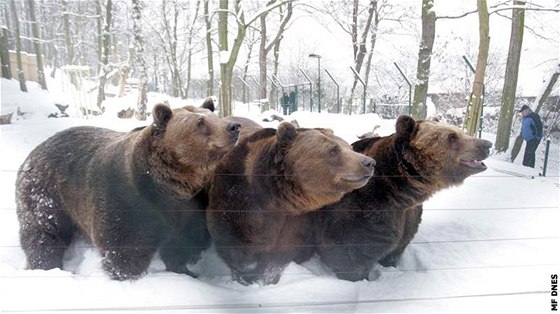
point(129, 193)
point(264, 185)
point(376, 222)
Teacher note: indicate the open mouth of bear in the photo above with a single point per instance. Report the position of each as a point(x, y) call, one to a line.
point(474, 164)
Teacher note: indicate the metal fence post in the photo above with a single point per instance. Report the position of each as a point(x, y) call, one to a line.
point(337, 91)
point(310, 89)
point(547, 150)
point(357, 75)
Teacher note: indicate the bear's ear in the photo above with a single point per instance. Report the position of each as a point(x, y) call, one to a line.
point(286, 133)
point(162, 114)
point(405, 127)
point(361, 145)
point(209, 104)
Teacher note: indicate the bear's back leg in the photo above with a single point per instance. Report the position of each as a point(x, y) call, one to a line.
point(46, 229)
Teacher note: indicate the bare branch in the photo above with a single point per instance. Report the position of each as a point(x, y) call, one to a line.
point(529, 29)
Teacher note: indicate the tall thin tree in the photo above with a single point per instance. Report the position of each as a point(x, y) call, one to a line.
point(105, 56)
point(142, 101)
point(209, 49)
point(37, 45)
point(267, 45)
point(67, 33)
point(507, 107)
point(21, 75)
point(228, 55)
point(475, 100)
point(424, 59)
point(5, 54)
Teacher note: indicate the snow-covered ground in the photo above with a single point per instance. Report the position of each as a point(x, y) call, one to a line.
point(488, 246)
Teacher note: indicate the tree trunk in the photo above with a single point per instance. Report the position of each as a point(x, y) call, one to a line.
point(5, 54)
point(190, 49)
point(142, 101)
point(266, 46)
point(424, 60)
point(37, 45)
point(21, 76)
point(373, 40)
point(209, 50)
point(125, 70)
point(507, 107)
point(359, 47)
point(225, 88)
point(67, 33)
point(99, 41)
point(244, 95)
point(274, 90)
point(536, 107)
point(228, 55)
point(105, 60)
point(475, 101)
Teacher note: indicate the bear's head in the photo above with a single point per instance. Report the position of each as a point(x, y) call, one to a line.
point(193, 140)
point(323, 165)
point(440, 151)
point(196, 138)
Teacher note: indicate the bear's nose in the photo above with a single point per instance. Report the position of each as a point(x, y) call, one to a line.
point(233, 128)
point(487, 144)
point(369, 163)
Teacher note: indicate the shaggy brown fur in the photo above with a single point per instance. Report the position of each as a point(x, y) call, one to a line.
point(376, 223)
point(130, 193)
point(264, 186)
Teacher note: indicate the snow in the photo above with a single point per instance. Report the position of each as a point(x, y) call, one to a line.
point(489, 245)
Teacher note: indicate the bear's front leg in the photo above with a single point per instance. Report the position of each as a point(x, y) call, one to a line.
point(354, 258)
point(346, 262)
point(413, 219)
point(127, 263)
point(127, 245)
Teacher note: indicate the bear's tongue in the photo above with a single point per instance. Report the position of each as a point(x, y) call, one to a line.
point(477, 164)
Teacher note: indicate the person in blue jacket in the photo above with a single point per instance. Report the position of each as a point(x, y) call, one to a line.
point(531, 131)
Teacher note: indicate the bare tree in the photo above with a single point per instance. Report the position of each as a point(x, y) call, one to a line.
point(142, 101)
point(507, 107)
point(373, 40)
point(5, 54)
point(175, 24)
point(37, 45)
point(229, 54)
point(190, 49)
point(360, 21)
point(21, 76)
point(250, 41)
point(475, 100)
point(67, 32)
point(267, 45)
point(209, 49)
point(105, 56)
point(424, 59)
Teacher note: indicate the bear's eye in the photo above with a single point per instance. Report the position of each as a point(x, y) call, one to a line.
point(452, 138)
point(334, 151)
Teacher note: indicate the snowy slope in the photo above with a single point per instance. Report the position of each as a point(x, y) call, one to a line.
point(490, 245)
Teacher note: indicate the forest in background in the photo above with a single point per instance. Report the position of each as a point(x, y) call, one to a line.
point(249, 51)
